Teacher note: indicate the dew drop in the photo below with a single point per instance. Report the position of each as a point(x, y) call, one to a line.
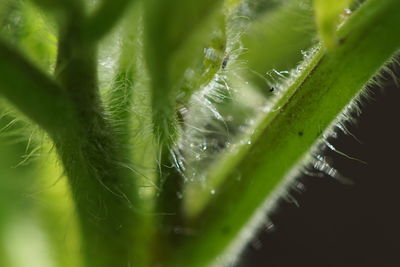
point(266, 109)
point(305, 54)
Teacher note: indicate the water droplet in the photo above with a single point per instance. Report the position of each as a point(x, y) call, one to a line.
point(212, 192)
point(211, 54)
point(189, 73)
point(305, 54)
point(266, 109)
point(250, 121)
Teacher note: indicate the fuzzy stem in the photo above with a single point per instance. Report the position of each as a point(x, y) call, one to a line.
point(169, 205)
point(120, 99)
point(120, 107)
point(36, 95)
point(105, 18)
point(120, 103)
point(102, 187)
point(285, 135)
point(175, 32)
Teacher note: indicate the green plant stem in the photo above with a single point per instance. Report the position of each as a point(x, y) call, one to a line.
point(169, 206)
point(36, 95)
point(120, 104)
point(103, 187)
point(119, 99)
point(120, 108)
point(105, 17)
point(285, 135)
point(175, 32)
point(170, 198)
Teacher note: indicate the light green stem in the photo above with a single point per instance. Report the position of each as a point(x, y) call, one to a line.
point(367, 40)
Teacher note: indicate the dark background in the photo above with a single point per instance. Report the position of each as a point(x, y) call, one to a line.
point(344, 225)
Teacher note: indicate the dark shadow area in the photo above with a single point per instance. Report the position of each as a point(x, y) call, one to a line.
point(338, 225)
